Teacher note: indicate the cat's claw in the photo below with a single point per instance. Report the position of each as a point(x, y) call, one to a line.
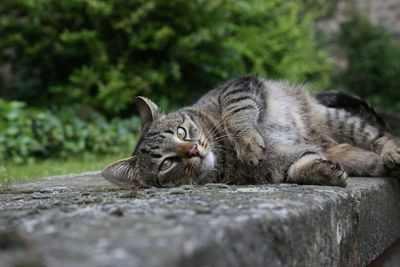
point(250, 149)
point(392, 158)
point(333, 173)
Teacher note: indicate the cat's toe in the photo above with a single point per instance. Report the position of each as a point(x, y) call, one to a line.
point(333, 173)
point(251, 150)
point(339, 179)
point(392, 159)
point(249, 156)
point(257, 153)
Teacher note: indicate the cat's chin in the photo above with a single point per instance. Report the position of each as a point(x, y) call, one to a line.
point(207, 162)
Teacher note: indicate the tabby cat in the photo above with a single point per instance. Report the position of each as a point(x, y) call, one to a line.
point(253, 131)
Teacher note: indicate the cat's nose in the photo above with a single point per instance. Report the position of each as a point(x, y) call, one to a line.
point(193, 151)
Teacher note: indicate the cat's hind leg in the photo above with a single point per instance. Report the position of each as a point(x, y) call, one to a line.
point(356, 161)
point(318, 170)
point(388, 147)
point(346, 127)
point(306, 164)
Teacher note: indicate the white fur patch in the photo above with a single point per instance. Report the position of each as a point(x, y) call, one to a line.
point(208, 162)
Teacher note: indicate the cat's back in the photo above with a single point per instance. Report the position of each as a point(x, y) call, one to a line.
point(251, 84)
point(279, 102)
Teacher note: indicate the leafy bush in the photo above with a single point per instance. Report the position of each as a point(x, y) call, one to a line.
point(27, 133)
point(101, 53)
point(373, 63)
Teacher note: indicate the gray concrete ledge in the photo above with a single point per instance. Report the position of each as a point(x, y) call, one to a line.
point(84, 221)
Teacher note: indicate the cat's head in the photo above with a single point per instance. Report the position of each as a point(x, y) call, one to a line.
point(173, 150)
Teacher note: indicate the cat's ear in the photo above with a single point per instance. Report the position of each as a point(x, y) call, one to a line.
point(148, 110)
point(123, 173)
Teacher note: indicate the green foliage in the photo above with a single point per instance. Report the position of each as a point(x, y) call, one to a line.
point(4, 178)
point(101, 53)
point(373, 63)
point(27, 133)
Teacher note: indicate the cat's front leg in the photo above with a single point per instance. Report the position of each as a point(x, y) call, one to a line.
point(243, 107)
point(249, 146)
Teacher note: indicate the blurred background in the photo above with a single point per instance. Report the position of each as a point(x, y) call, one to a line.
point(70, 70)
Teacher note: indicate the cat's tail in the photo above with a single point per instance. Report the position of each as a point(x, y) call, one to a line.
point(351, 120)
point(354, 105)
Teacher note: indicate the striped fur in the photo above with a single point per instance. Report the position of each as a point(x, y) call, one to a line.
point(352, 104)
point(251, 131)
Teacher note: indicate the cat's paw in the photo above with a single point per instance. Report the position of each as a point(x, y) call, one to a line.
point(331, 173)
point(392, 158)
point(250, 148)
point(315, 169)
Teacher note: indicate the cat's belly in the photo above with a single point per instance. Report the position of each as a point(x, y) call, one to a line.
point(282, 134)
point(286, 118)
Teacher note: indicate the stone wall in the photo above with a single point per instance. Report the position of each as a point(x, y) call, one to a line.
point(83, 221)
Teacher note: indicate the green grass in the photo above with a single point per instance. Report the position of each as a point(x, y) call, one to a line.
point(10, 172)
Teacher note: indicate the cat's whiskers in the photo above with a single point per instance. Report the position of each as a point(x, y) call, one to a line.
point(191, 169)
point(215, 130)
point(186, 169)
point(215, 127)
point(222, 137)
point(220, 148)
point(225, 137)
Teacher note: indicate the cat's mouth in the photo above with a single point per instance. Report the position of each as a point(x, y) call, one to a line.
point(206, 164)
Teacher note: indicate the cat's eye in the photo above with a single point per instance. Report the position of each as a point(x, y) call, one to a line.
point(166, 164)
point(181, 133)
